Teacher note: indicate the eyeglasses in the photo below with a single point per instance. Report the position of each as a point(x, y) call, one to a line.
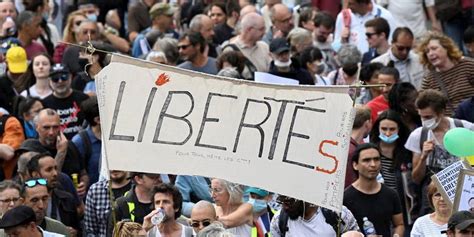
point(369, 35)
point(61, 77)
point(197, 224)
point(184, 46)
point(216, 190)
point(33, 182)
point(10, 200)
point(437, 195)
point(402, 48)
point(287, 20)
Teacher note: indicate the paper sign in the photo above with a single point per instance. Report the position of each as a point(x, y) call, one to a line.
point(464, 200)
point(291, 140)
point(272, 79)
point(447, 178)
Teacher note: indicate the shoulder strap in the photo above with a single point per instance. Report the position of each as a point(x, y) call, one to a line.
point(283, 223)
point(333, 219)
point(423, 137)
point(3, 121)
point(458, 123)
point(443, 88)
point(334, 79)
point(86, 144)
point(251, 67)
point(233, 46)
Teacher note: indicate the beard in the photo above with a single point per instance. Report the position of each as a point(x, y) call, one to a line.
point(296, 210)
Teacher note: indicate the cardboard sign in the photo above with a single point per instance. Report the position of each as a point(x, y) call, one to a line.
point(446, 180)
point(464, 200)
point(291, 140)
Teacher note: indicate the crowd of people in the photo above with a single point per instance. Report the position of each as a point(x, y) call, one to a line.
point(416, 55)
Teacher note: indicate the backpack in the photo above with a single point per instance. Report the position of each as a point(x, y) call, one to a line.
point(332, 218)
point(424, 132)
point(86, 144)
point(447, 9)
point(248, 64)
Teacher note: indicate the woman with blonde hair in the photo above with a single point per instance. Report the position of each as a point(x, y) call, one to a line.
point(449, 72)
point(432, 224)
point(230, 209)
point(74, 19)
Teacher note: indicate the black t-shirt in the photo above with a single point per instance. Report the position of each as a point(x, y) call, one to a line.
point(69, 111)
point(378, 208)
point(119, 192)
point(7, 93)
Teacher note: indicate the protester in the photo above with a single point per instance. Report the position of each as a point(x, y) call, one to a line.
point(262, 212)
point(282, 22)
point(36, 77)
point(449, 72)
point(401, 99)
point(348, 57)
point(202, 215)
point(369, 75)
point(192, 49)
point(20, 221)
point(231, 211)
point(388, 76)
point(435, 223)
point(312, 60)
point(460, 224)
point(377, 31)
point(193, 189)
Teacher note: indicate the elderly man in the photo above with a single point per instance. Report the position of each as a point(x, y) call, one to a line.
point(282, 20)
point(204, 25)
point(249, 43)
point(202, 215)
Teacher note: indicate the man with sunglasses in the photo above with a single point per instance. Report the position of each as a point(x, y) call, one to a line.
point(202, 215)
point(367, 198)
point(193, 50)
point(63, 206)
point(35, 195)
point(298, 218)
point(65, 100)
point(377, 31)
point(403, 58)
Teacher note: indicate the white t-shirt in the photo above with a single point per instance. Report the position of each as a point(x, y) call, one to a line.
point(154, 232)
point(34, 93)
point(424, 226)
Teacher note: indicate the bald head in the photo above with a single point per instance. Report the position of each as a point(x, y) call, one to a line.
point(252, 28)
point(202, 212)
point(48, 126)
point(252, 19)
point(204, 25)
point(247, 9)
point(282, 18)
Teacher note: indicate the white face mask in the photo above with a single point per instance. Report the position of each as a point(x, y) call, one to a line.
point(279, 63)
point(430, 123)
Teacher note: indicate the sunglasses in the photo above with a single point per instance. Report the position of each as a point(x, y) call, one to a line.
point(369, 35)
point(204, 223)
point(184, 47)
point(402, 48)
point(33, 182)
point(61, 77)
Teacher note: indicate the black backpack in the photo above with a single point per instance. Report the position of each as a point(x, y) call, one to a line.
point(248, 64)
point(332, 218)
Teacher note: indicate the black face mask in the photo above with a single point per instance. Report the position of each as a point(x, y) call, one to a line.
point(350, 70)
point(82, 63)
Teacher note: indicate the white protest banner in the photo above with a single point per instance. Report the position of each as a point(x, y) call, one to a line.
point(464, 200)
point(291, 140)
point(272, 79)
point(446, 180)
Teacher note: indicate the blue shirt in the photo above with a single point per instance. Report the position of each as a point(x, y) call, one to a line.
point(93, 161)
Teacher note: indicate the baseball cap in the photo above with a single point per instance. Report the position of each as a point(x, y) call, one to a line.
point(16, 59)
point(161, 9)
point(31, 145)
point(461, 220)
point(260, 192)
point(58, 70)
point(19, 215)
point(279, 45)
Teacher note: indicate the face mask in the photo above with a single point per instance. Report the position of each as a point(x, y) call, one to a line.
point(430, 123)
point(390, 139)
point(92, 17)
point(279, 63)
point(258, 205)
point(45, 16)
point(350, 70)
point(321, 67)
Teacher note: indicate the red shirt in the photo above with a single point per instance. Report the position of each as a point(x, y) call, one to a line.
point(377, 106)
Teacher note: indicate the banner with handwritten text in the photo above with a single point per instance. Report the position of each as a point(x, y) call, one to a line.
point(291, 140)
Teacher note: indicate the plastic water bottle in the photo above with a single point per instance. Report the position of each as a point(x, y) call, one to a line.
point(369, 228)
point(158, 217)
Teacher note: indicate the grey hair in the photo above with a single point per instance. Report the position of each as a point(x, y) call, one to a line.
point(196, 23)
point(298, 35)
point(155, 54)
point(48, 111)
point(9, 184)
point(170, 47)
point(349, 54)
point(236, 191)
point(23, 161)
point(215, 229)
point(25, 17)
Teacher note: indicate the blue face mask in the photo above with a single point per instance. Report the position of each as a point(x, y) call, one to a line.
point(92, 17)
point(258, 205)
point(390, 139)
point(45, 16)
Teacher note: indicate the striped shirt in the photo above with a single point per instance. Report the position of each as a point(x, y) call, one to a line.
point(388, 173)
point(458, 81)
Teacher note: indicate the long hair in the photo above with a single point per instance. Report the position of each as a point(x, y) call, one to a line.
point(453, 51)
point(28, 78)
point(69, 34)
point(401, 154)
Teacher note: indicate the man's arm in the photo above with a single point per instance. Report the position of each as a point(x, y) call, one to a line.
point(398, 227)
point(117, 42)
point(61, 147)
point(419, 162)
